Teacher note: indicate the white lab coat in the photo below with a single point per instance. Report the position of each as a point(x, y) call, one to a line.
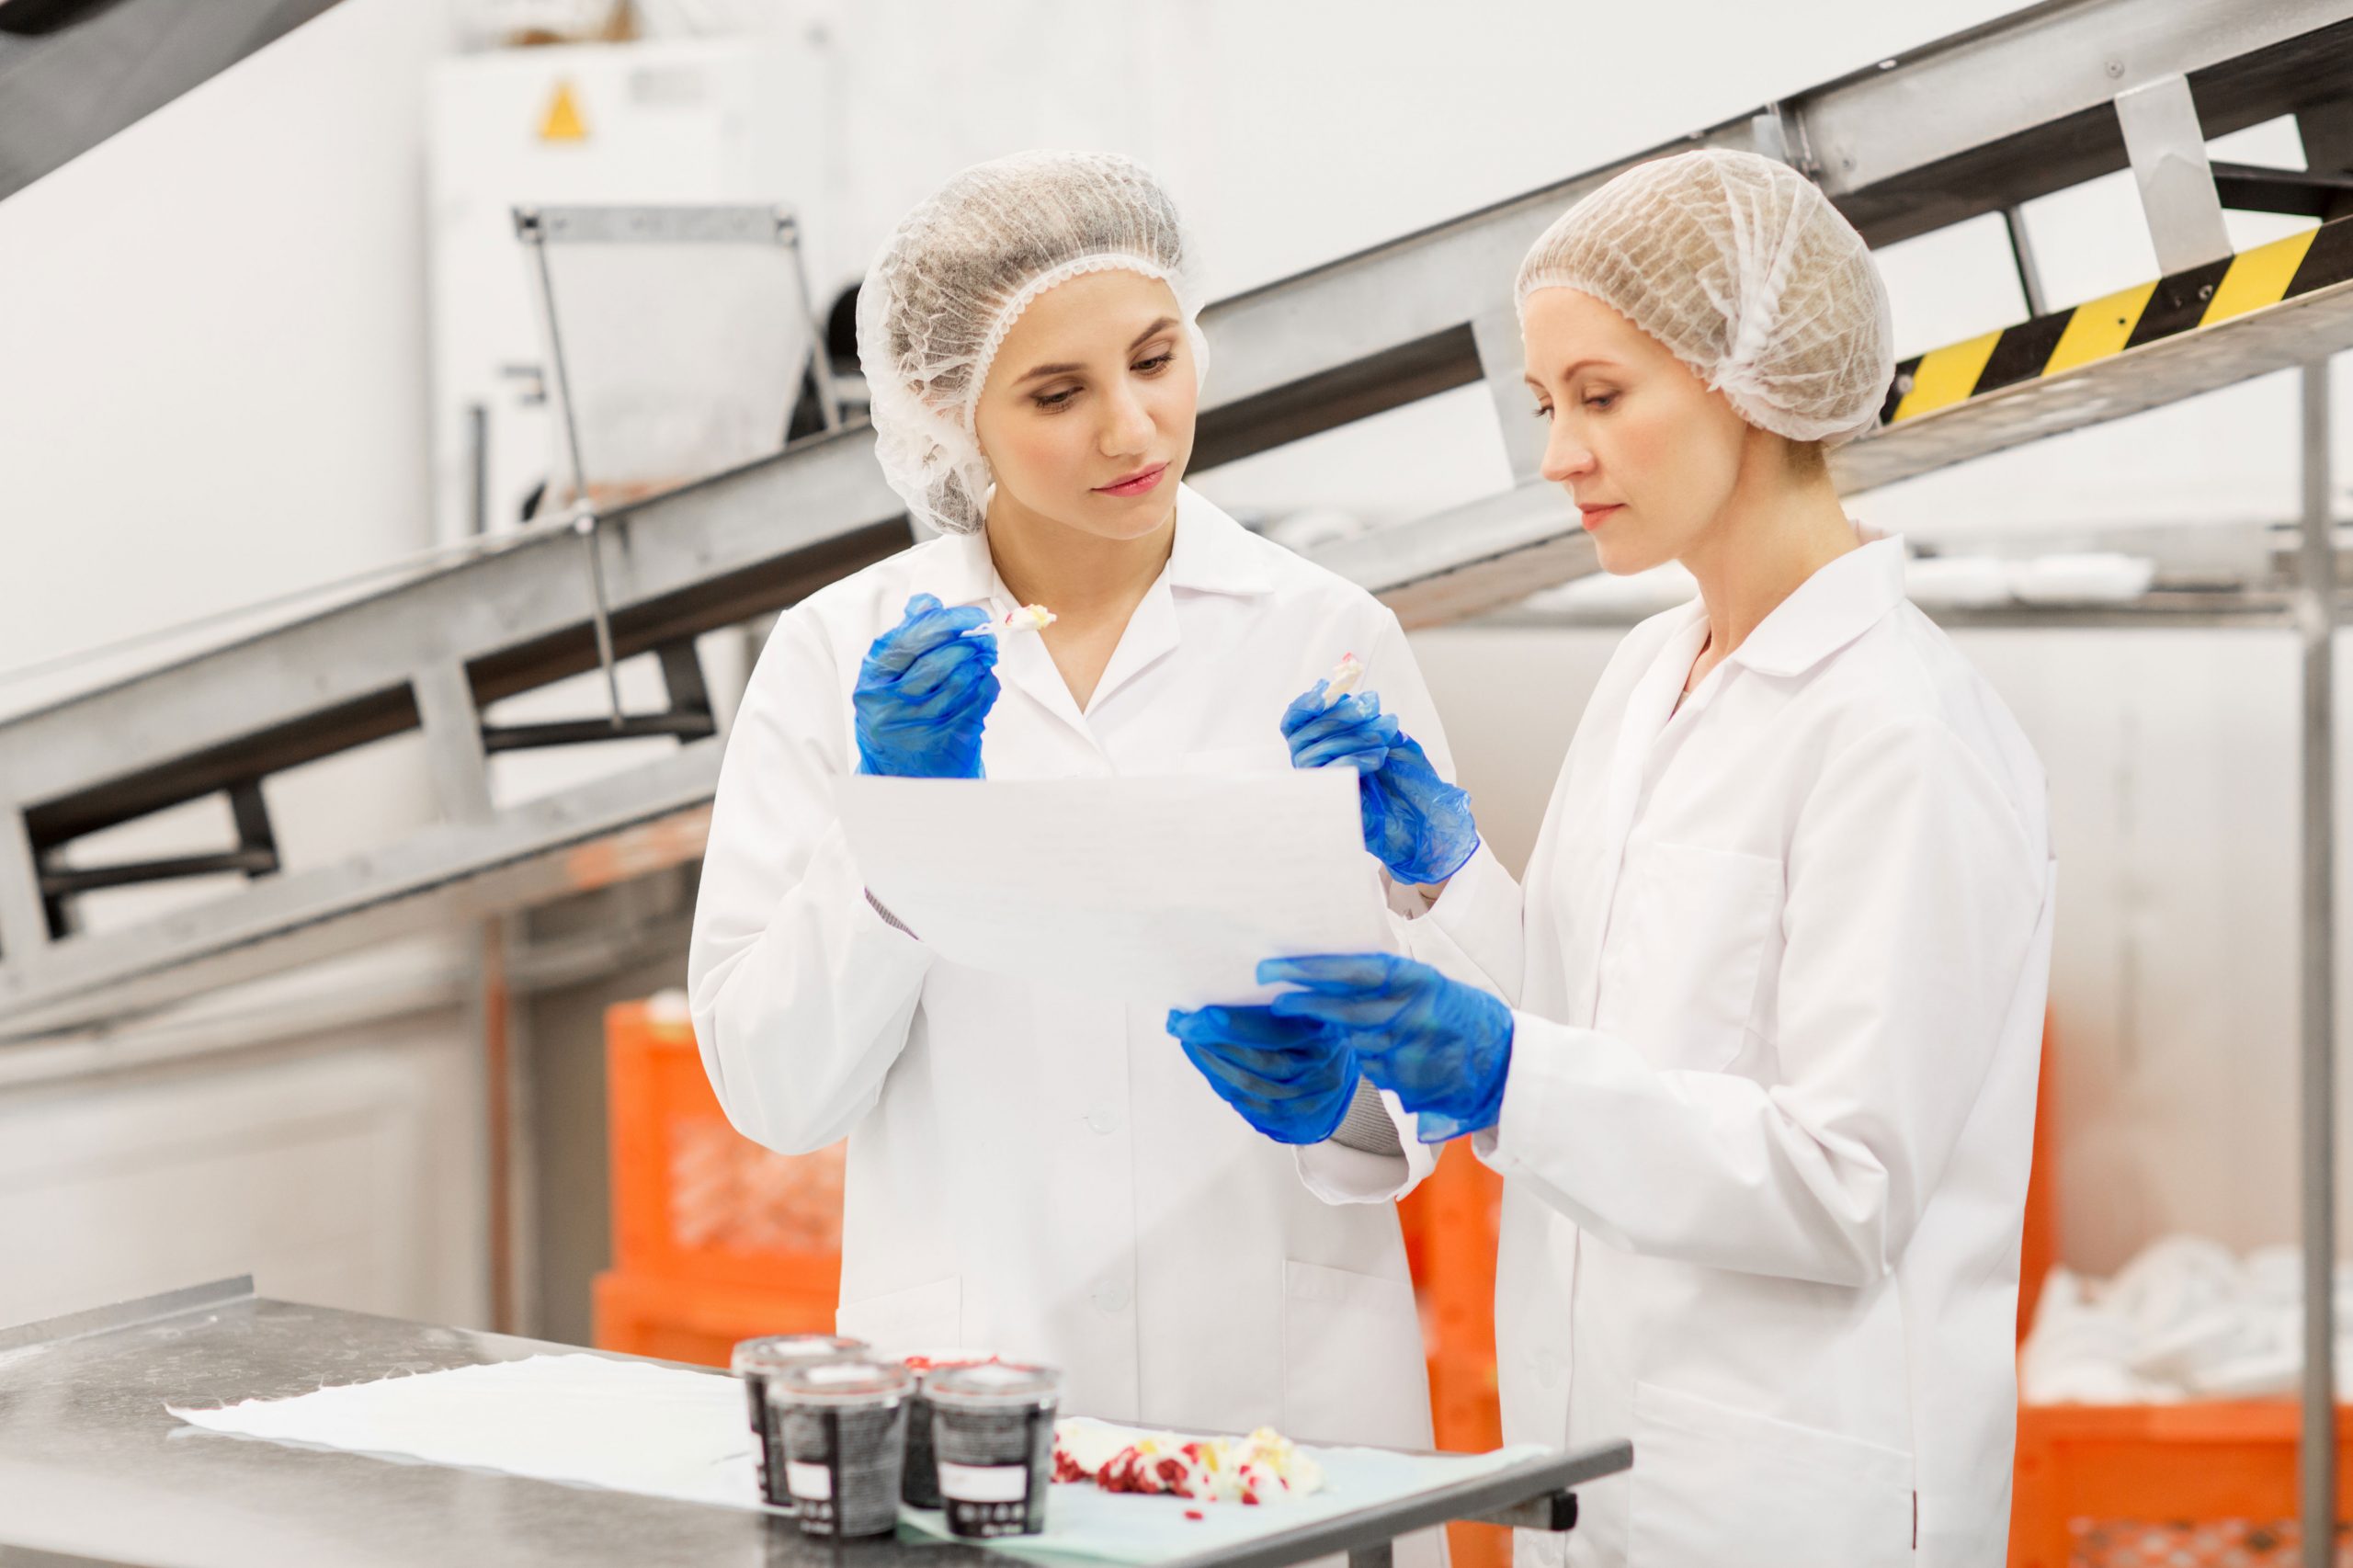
point(1031, 1170)
point(1779, 989)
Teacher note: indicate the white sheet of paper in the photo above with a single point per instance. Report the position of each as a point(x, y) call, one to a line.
point(1161, 891)
point(589, 1420)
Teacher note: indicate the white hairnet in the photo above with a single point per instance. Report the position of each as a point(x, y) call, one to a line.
point(956, 274)
point(1741, 266)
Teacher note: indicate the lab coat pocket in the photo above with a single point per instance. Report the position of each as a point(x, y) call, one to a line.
point(1679, 975)
point(917, 1318)
point(1353, 1365)
point(1713, 1485)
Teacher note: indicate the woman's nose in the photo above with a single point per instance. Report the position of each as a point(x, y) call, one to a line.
point(1565, 457)
point(1127, 425)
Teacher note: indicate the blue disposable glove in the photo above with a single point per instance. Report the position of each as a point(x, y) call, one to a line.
point(1442, 1047)
point(1416, 823)
point(1290, 1078)
point(924, 694)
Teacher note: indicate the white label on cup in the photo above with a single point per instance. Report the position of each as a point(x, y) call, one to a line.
point(983, 1482)
point(814, 1482)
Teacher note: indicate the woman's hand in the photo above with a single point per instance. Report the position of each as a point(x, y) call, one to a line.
point(1442, 1047)
point(924, 693)
point(1290, 1078)
point(1416, 823)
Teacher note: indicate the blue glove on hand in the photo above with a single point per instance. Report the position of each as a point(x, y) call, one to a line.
point(924, 694)
point(1416, 823)
point(1442, 1047)
point(1290, 1078)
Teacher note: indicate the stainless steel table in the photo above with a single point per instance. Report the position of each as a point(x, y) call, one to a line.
point(93, 1470)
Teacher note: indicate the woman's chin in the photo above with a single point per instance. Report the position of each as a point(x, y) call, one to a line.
point(1623, 561)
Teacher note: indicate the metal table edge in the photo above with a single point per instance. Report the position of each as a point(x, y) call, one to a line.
point(132, 1314)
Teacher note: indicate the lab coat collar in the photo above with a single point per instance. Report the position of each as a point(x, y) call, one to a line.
point(1213, 553)
point(1830, 610)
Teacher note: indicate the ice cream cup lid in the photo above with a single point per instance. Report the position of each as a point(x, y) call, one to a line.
point(776, 1351)
point(854, 1382)
point(993, 1384)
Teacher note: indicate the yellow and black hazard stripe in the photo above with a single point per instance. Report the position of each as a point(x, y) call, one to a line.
point(2172, 305)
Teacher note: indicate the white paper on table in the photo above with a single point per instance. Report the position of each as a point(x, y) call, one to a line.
point(587, 1420)
point(1161, 891)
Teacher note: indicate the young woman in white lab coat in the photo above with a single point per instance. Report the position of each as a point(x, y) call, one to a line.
point(1764, 1101)
point(1034, 1170)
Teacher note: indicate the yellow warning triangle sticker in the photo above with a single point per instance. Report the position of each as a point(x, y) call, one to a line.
point(563, 122)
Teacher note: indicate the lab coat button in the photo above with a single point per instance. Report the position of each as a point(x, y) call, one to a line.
point(1110, 1296)
point(1101, 1120)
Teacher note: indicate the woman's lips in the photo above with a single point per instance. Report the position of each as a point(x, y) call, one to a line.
point(1135, 483)
point(1594, 517)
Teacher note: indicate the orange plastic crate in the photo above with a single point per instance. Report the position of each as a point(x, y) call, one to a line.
point(715, 1238)
point(2179, 1485)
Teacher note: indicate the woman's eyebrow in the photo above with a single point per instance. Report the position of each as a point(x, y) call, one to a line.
point(1571, 372)
point(1163, 325)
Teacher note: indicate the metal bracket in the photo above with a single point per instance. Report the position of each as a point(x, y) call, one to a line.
point(1502, 365)
point(690, 716)
point(254, 856)
point(2168, 147)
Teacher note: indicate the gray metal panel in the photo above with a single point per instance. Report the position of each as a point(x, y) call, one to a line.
point(92, 1463)
point(63, 92)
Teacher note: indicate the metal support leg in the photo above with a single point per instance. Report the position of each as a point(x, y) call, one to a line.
point(254, 835)
point(821, 361)
point(601, 613)
point(2038, 303)
point(682, 677)
point(453, 744)
point(23, 917)
point(2317, 600)
point(1373, 1556)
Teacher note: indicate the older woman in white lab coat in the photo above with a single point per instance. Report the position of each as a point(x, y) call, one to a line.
point(1035, 1170)
point(1764, 1107)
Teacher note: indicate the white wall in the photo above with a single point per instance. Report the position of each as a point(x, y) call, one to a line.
point(221, 393)
point(339, 1166)
point(212, 390)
